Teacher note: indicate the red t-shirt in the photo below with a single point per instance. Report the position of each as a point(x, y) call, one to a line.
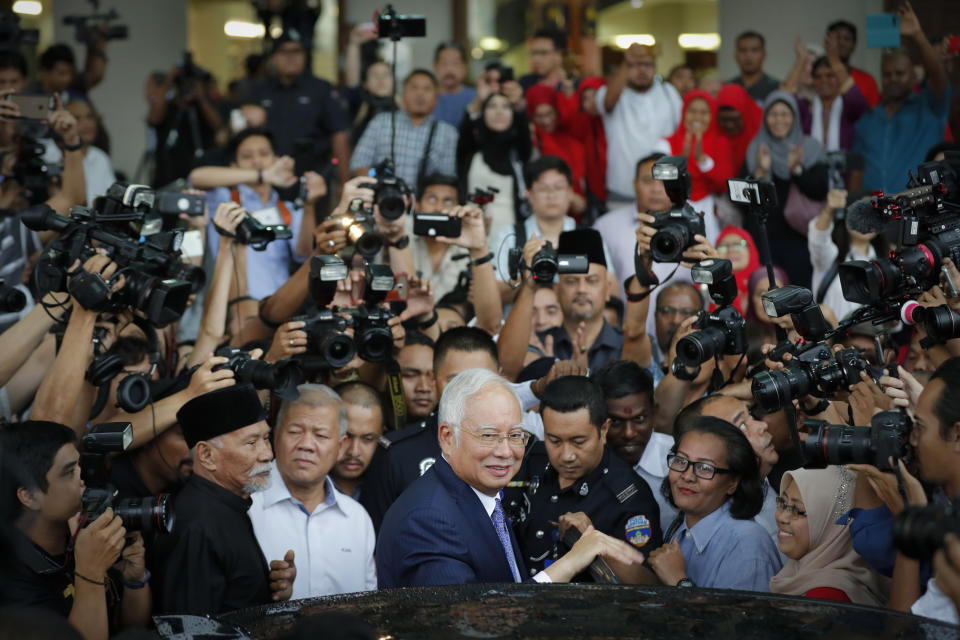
point(827, 593)
point(867, 86)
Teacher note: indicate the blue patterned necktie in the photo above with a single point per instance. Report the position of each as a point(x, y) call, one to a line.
point(500, 524)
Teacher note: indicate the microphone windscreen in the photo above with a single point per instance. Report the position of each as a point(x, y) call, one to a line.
point(863, 218)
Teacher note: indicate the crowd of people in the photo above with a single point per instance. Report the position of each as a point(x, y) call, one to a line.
point(429, 341)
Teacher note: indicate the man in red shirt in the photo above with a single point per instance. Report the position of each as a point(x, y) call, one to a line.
point(845, 35)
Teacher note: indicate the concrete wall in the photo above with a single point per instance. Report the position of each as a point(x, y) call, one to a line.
point(780, 21)
point(158, 36)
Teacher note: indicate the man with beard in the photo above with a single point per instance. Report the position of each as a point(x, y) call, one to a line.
point(364, 431)
point(211, 562)
point(894, 136)
point(638, 110)
point(300, 510)
point(416, 370)
point(582, 298)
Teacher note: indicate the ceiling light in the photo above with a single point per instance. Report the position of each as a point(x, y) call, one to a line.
point(489, 43)
point(241, 29)
point(625, 41)
point(707, 41)
point(27, 7)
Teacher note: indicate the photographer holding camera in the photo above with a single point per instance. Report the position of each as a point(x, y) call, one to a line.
point(91, 573)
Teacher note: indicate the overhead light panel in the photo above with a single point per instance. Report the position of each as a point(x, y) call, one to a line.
point(27, 7)
point(624, 41)
point(489, 43)
point(705, 41)
point(242, 29)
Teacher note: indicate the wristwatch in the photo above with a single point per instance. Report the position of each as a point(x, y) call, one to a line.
point(401, 243)
point(685, 582)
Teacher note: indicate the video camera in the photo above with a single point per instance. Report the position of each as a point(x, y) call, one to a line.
point(394, 26)
point(149, 515)
point(12, 37)
point(721, 332)
point(886, 437)
point(941, 323)
point(84, 25)
point(677, 227)
point(30, 170)
point(929, 217)
point(546, 263)
point(918, 532)
point(190, 74)
point(281, 377)
point(156, 281)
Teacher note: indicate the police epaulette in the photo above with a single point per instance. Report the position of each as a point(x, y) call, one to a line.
point(384, 442)
point(627, 493)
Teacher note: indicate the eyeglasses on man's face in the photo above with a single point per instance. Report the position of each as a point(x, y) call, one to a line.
point(490, 438)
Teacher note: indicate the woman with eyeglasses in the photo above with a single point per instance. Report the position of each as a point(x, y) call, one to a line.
point(823, 563)
point(714, 480)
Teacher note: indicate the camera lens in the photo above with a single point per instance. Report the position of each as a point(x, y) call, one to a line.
point(698, 347)
point(941, 323)
point(150, 514)
point(838, 444)
point(337, 349)
point(390, 201)
point(11, 299)
point(868, 281)
point(669, 243)
point(374, 344)
point(919, 531)
point(774, 389)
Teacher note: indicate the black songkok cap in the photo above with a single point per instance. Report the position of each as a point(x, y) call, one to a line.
point(583, 241)
point(289, 35)
point(218, 412)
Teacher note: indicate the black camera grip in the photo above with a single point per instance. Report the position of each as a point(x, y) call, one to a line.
point(90, 290)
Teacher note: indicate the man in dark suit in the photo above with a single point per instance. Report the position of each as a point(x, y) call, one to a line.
point(448, 527)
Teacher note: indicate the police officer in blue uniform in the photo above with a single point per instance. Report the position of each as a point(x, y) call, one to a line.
point(574, 472)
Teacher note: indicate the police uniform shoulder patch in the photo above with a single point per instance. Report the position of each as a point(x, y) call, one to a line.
point(425, 464)
point(638, 530)
point(627, 493)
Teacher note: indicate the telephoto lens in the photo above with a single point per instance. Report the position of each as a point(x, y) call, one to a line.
point(698, 347)
point(918, 532)
point(886, 438)
point(282, 377)
point(150, 514)
point(326, 338)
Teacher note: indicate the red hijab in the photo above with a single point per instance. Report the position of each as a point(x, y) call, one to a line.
point(736, 97)
point(703, 184)
point(742, 276)
point(558, 143)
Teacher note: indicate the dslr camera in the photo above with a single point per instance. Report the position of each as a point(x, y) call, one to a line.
point(281, 377)
point(815, 370)
point(149, 515)
point(389, 190)
point(721, 332)
point(156, 281)
point(886, 437)
point(918, 532)
point(84, 25)
point(362, 230)
point(677, 227)
point(546, 264)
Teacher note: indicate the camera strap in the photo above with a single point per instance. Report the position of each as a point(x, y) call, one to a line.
point(398, 403)
point(281, 206)
point(422, 168)
point(825, 282)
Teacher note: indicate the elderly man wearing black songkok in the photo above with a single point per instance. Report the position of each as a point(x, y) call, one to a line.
point(211, 562)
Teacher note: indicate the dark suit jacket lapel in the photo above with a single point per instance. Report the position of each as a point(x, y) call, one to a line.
point(479, 530)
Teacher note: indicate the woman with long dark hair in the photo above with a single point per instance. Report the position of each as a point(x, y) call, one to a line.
point(715, 481)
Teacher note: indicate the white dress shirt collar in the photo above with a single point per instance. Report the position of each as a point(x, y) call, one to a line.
point(278, 492)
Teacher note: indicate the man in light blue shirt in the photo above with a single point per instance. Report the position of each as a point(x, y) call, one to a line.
point(895, 135)
point(450, 65)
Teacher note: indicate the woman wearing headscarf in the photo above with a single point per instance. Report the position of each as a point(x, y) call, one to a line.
point(551, 139)
point(781, 153)
point(738, 120)
point(737, 246)
point(707, 154)
point(822, 562)
point(491, 152)
point(578, 115)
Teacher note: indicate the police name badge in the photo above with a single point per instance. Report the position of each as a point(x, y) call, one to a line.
point(638, 530)
point(269, 217)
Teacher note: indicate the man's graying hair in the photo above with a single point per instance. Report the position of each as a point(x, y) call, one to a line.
point(316, 395)
point(466, 384)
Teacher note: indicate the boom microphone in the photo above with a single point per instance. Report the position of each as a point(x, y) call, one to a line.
point(864, 217)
